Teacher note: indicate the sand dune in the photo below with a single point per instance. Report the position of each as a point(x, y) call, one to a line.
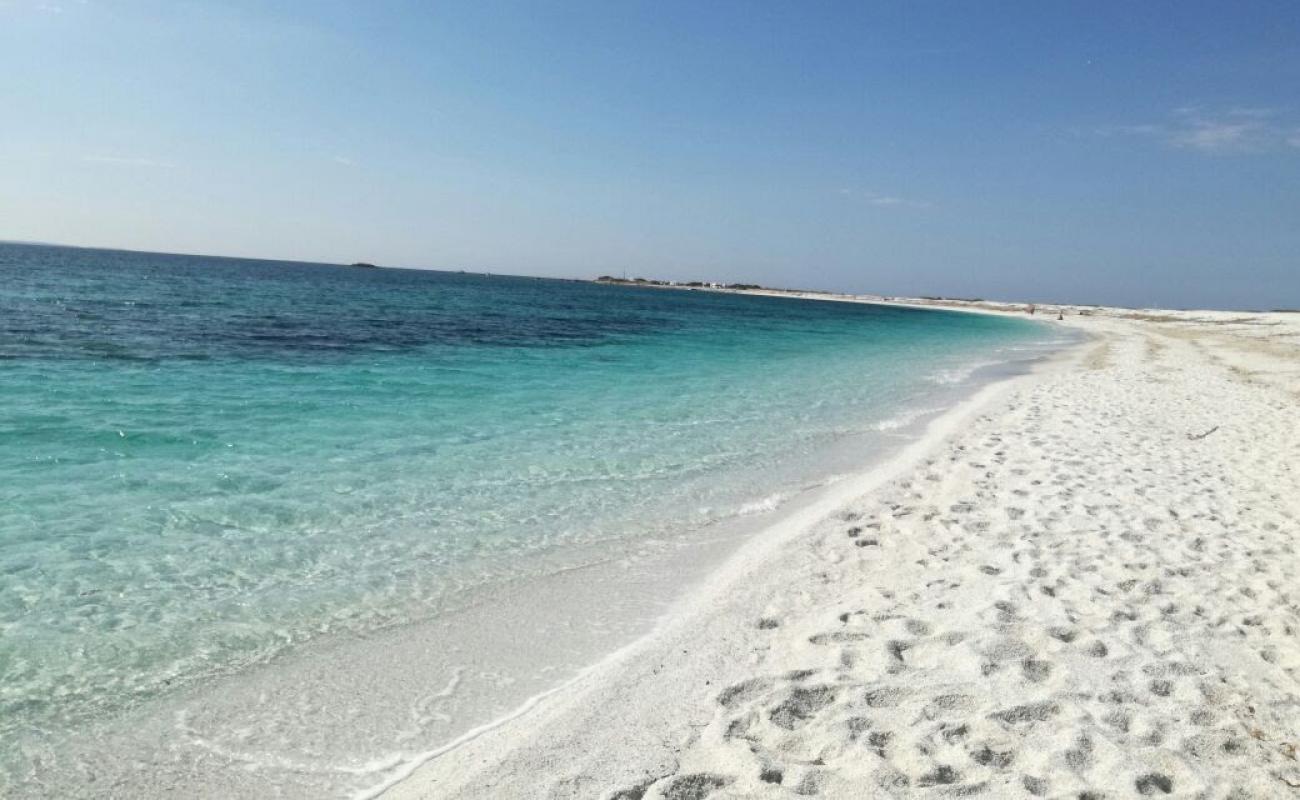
point(1083, 584)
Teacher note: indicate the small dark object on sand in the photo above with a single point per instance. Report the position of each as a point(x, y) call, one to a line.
point(694, 787)
point(1153, 782)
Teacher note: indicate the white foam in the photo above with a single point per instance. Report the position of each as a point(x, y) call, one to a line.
point(955, 375)
point(403, 764)
point(769, 503)
point(904, 419)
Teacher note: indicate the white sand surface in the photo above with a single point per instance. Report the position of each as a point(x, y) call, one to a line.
point(1083, 583)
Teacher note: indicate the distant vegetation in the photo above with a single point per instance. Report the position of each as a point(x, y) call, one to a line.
point(682, 284)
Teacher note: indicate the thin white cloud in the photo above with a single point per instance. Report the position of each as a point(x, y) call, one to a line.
point(888, 200)
point(129, 161)
point(1234, 130)
point(884, 200)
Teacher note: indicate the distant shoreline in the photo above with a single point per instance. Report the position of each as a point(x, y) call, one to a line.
point(977, 306)
point(996, 306)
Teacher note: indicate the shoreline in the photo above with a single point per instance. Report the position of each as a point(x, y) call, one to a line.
point(675, 697)
point(748, 556)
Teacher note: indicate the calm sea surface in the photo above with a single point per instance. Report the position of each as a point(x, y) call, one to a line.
point(206, 463)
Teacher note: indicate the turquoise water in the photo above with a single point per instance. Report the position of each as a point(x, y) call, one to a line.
point(205, 463)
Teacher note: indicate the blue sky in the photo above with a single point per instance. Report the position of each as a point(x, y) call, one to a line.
point(1135, 153)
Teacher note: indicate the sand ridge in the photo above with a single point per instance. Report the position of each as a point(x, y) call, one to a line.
point(1088, 591)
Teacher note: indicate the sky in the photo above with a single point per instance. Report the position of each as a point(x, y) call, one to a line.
point(1132, 153)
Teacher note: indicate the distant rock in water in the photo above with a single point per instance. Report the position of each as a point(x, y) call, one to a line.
point(364, 264)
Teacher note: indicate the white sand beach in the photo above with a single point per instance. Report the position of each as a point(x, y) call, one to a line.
point(378, 421)
point(1081, 583)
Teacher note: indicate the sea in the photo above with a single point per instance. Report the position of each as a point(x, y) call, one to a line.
point(283, 529)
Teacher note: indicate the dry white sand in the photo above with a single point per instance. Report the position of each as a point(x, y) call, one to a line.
point(1084, 583)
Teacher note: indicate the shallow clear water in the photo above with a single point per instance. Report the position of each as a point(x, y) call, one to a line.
point(207, 462)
